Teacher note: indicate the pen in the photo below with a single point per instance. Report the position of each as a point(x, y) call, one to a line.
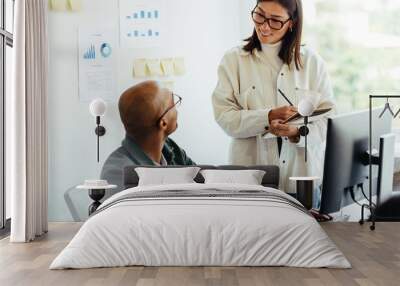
point(287, 99)
point(290, 103)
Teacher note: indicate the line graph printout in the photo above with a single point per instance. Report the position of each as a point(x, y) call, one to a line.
point(143, 23)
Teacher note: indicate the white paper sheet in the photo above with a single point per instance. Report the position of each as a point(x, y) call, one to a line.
point(97, 64)
point(143, 23)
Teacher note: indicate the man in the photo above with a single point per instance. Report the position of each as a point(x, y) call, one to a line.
point(149, 115)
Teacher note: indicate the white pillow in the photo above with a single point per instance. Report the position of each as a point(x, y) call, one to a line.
point(166, 176)
point(247, 177)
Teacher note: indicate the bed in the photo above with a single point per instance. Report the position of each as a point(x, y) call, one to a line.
point(201, 224)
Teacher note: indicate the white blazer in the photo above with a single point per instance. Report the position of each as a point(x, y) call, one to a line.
point(241, 108)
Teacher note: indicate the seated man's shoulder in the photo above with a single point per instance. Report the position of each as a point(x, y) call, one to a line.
point(173, 146)
point(179, 156)
point(113, 167)
point(171, 143)
point(119, 156)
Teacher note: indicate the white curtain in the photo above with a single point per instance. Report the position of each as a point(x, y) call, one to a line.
point(27, 122)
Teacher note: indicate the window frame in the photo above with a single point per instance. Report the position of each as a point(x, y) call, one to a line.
point(6, 39)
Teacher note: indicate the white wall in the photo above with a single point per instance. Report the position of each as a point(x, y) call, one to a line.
point(202, 32)
point(245, 22)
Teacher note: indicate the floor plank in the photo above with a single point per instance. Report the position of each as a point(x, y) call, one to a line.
point(375, 257)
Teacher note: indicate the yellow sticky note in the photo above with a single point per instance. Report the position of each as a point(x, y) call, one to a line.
point(167, 66)
point(57, 5)
point(179, 66)
point(154, 66)
point(140, 68)
point(74, 5)
point(168, 84)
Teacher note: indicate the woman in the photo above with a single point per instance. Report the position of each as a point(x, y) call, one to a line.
point(256, 83)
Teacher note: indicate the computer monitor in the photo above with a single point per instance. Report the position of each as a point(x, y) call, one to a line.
point(347, 142)
point(386, 167)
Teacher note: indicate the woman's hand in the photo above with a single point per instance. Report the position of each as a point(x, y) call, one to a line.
point(281, 113)
point(284, 130)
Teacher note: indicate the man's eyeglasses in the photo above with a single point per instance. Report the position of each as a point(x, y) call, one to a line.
point(177, 100)
point(274, 24)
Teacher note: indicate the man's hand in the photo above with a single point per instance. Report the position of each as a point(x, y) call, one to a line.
point(281, 113)
point(284, 130)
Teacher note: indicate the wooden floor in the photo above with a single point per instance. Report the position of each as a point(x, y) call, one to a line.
point(375, 257)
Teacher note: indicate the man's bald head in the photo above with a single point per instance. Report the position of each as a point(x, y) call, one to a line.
point(140, 106)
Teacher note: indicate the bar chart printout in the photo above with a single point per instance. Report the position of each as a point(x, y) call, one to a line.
point(90, 53)
point(142, 23)
point(97, 63)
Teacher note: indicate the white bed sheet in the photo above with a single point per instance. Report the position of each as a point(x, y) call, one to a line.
point(200, 232)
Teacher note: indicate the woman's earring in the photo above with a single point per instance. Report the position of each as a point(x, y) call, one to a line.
point(291, 29)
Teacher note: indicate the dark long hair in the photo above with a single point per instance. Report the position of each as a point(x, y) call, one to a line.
point(291, 42)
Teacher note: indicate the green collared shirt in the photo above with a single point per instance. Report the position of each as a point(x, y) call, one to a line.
point(130, 154)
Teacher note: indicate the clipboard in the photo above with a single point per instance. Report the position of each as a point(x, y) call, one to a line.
point(296, 118)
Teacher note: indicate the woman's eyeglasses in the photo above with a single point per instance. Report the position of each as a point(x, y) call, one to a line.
point(177, 100)
point(274, 24)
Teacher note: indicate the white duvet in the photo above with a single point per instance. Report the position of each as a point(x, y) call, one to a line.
point(200, 232)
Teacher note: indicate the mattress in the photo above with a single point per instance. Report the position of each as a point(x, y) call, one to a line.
point(201, 225)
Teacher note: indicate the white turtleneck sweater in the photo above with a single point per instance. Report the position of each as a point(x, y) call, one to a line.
point(273, 65)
